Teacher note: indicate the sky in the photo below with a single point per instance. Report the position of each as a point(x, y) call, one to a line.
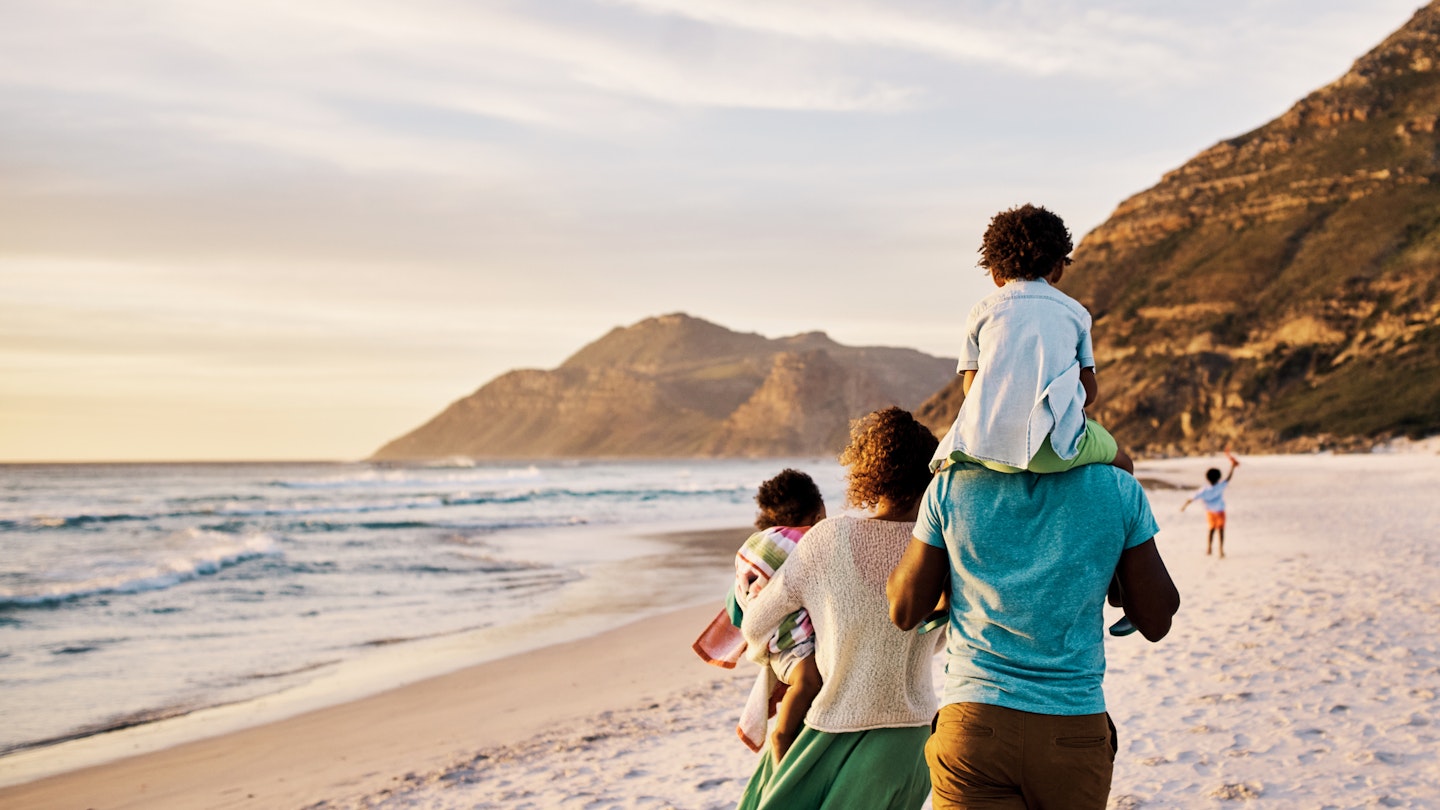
point(297, 230)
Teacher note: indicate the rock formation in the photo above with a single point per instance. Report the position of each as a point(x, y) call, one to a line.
point(1280, 290)
point(678, 386)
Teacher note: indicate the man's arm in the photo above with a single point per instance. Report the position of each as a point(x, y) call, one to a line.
point(917, 583)
point(1150, 595)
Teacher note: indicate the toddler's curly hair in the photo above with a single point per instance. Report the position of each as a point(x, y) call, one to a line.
point(1024, 243)
point(888, 458)
point(789, 499)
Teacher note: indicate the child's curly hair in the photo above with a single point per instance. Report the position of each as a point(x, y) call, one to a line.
point(1024, 243)
point(888, 458)
point(789, 499)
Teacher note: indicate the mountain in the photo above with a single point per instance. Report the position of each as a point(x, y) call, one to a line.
point(1279, 291)
point(677, 386)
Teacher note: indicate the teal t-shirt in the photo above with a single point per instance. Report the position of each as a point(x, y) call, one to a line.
point(1030, 559)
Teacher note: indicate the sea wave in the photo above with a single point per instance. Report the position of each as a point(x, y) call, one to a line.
point(205, 553)
point(415, 477)
point(241, 509)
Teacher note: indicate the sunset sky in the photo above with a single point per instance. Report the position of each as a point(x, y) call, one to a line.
point(296, 230)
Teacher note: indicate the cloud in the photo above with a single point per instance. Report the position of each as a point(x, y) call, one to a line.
point(1039, 39)
point(283, 77)
point(259, 201)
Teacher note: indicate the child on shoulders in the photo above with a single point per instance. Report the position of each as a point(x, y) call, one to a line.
point(1028, 362)
point(1029, 365)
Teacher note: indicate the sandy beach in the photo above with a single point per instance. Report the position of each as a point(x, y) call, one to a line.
point(1302, 671)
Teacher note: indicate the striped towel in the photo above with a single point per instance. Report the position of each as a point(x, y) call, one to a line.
point(755, 565)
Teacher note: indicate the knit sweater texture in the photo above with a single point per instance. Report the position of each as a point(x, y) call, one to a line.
point(876, 675)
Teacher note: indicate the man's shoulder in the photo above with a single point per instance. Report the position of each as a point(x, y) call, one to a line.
point(1092, 477)
point(1086, 479)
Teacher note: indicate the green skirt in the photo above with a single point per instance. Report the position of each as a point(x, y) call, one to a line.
point(879, 769)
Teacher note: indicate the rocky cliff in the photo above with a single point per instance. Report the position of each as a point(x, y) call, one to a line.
point(1280, 290)
point(679, 386)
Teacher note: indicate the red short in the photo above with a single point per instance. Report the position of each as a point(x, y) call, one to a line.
point(1217, 519)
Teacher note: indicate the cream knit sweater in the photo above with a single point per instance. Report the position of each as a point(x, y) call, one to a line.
point(876, 676)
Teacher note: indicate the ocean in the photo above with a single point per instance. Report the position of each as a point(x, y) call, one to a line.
point(132, 593)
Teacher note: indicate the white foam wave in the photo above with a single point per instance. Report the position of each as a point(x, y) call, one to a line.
point(419, 477)
point(199, 553)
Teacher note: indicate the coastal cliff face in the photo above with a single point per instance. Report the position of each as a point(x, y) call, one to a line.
point(1280, 291)
point(677, 386)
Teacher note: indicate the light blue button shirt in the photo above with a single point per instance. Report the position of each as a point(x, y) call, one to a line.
point(1028, 342)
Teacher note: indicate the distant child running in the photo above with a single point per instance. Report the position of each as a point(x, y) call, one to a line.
point(1027, 360)
point(1213, 496)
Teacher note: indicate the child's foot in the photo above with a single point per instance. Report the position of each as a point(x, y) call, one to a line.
point(1122, 627)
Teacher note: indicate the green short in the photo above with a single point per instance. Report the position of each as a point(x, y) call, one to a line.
point(1097, 446)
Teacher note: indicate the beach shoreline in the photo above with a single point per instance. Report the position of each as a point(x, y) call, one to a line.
point(1300, 670)
point(364, 745)
point(688, 556)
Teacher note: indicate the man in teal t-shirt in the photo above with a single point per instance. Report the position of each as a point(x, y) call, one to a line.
point(1024, 561)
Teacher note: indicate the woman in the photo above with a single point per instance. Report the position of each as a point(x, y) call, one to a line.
point(863, 744)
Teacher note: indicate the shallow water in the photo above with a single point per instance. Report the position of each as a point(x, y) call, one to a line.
point(130, 593)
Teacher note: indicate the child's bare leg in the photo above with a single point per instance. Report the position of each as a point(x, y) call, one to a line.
point(804, 682)
point(1209, 542)
point(1123, 461)
point(1222, 540)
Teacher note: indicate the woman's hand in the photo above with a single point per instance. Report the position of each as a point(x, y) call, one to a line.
point(780, 743)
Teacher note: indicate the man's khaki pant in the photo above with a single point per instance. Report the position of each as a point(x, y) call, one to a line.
point(983, 756)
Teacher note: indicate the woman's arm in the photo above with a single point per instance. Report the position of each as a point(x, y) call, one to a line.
point(766, 611)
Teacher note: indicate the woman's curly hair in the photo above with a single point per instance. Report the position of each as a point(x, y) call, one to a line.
point(1024, 243)
point(888, 458)
point(789, 499)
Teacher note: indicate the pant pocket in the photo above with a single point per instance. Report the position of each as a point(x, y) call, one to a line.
point(962, 728)
point(1082, 742)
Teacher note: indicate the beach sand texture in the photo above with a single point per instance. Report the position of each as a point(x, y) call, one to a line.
point(1302, 671)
